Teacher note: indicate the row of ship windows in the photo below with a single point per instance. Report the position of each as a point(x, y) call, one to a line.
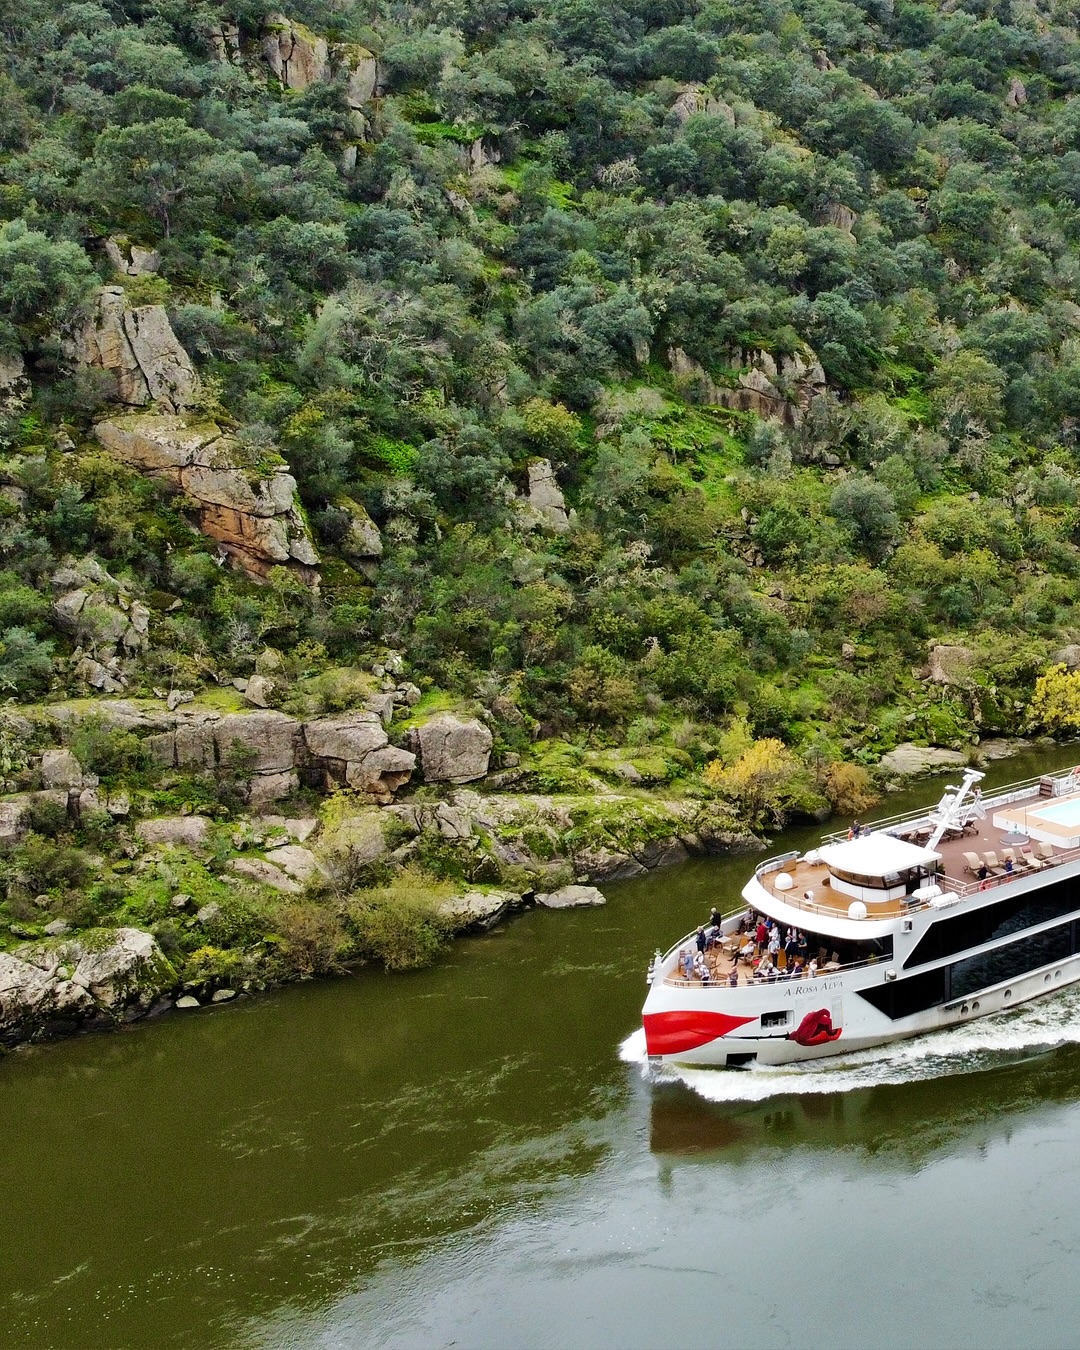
point(962, 978)
point(990, 922)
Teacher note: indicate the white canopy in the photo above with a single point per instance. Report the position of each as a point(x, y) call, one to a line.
point(876, 855)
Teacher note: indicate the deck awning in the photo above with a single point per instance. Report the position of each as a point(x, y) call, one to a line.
point(876, 855)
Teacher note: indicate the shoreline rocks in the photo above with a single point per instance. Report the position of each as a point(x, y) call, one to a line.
point(100, 978)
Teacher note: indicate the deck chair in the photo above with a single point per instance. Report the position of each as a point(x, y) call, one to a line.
point(1046, 851)
point(972, 863)
point(995, 868)
point(1029, 860)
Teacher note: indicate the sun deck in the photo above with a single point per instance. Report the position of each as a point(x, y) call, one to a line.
point(1021, 827)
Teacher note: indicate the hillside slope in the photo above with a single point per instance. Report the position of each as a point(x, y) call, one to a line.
point(653, 382)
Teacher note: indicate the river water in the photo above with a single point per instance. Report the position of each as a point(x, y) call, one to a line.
point(471, 1156)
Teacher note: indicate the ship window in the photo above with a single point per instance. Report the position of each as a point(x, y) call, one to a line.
point(1006, 963)
point(901, 998)
point(990, 922)
point(774, 1019)
point(916, 993)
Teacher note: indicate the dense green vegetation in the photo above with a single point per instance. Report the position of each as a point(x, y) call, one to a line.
point(892, 188)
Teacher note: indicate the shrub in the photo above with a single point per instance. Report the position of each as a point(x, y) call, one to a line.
point(849, 789)
point(759, 782)
point(314, 939)
point(1055, 704)
point(47, 817)
point(114, 754)
point(400, 924)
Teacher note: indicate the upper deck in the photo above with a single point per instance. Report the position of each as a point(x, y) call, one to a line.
point(1034, 823)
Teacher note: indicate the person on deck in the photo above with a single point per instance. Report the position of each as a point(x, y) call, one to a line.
point(686, 963)
point(700, 940)
point(733, 977)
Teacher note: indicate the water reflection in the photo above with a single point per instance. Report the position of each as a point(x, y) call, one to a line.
point(893, 1126)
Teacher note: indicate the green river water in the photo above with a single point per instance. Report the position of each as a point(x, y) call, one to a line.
point(464, 1157)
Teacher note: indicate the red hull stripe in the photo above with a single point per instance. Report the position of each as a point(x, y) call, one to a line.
point(669, 1033)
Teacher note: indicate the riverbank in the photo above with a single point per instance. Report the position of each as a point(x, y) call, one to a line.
point(117, 911)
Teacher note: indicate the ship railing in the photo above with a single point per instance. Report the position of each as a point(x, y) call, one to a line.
point(998, 798)
point(780, 978)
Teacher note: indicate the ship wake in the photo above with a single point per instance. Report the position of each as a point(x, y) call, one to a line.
point(988, 1043)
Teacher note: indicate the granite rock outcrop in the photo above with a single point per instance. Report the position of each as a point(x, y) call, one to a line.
point(254, 514)
point(100, 978)
point(137, 346)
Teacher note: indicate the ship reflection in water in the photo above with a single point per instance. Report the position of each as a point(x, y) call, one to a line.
point(905, 1110)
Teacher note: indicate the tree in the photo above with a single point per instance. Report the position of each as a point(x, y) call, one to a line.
point(868, 509)
point(1055, 703)
point(759, 782)
point(42, 284)
point(147, 167)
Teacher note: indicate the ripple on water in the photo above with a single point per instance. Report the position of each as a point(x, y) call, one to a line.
point(974, 1047)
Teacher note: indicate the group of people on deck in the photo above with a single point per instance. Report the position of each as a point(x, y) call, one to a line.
point(771, 952)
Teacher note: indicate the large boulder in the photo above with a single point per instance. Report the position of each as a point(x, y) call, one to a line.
point(544, 507)
point(300, 58)
point(949, 664)
point(362, 542)
point(478, 909)
point(353, 750)
point(265, 873)
point(101, 977)
point(571, 897)
point(60, 769)
point(910, 761)
point(14, 384)
point(257, 742)
point(772, 388)
point(132, 259)
point(1067, 656)
point(139, 348)
point(453, 750)
point(107, 622)
point(14, 819)
point(256, 519)
point(349, 736)
point(190, 831)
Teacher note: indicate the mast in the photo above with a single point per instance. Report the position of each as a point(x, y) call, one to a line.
point(953, 812)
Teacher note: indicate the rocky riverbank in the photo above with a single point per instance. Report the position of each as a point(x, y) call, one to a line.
point(180, 851)
point(123, 910)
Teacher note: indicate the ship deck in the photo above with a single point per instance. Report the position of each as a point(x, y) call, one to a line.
point(1049, 842)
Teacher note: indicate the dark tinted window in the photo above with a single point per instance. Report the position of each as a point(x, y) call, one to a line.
point(901, 998)
point(1013, 915)
point(978, 972)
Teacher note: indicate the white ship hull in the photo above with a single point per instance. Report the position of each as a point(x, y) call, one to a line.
point(929, 976)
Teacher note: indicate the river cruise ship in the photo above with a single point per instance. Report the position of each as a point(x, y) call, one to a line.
point(916, 923)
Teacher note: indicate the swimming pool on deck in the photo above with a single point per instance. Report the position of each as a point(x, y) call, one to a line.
point(1054, 822)
point(1064, 812)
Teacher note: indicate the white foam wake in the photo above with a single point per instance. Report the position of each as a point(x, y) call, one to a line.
point(983, 1044)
